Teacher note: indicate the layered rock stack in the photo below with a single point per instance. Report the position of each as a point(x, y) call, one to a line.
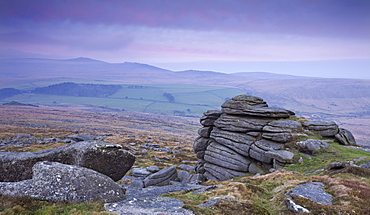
point(247, 136)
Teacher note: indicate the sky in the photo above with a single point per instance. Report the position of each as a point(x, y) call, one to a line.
point(325, 38)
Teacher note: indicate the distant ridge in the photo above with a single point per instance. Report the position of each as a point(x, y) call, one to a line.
point(266, 75)
point(84, 60)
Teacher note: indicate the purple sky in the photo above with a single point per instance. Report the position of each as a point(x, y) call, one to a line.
point(220, 35)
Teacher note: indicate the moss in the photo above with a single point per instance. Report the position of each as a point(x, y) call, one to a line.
point(24, 205)
point(239, 208)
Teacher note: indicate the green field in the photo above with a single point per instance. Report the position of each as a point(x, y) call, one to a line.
point(189, 100)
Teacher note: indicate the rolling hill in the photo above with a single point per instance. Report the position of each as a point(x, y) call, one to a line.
point(345, 100)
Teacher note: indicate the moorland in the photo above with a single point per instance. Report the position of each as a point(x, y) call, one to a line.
point(145, 88)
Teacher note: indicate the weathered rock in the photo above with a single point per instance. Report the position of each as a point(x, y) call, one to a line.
point(261, 112)
point(219, 173)
point(106, 158)
point(281, 126)
point(205, 131)
point(182, 175)
point(238, 141)
point(312, 191)
point(194, 179)
point(336, 165)
point(259, 154)
point(209, 117)
point(241, 123)
point(292, 206)
point(311, 145)
point(253, 106)
point(278, 137)
point(186, 167)
point(152, 169)
point(283, 156)
point(345, 137)
point(268, 145)
point(245, 101)
point(200, 145)
point(256, 167)
point(247, 136)
point(225, 157)
point(140, 172)
point(148, 206)
point(324, 128)
point(162, 177)
point(54, 181)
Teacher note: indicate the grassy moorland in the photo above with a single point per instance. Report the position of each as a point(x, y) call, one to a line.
point(186, 100)
point(255, 195)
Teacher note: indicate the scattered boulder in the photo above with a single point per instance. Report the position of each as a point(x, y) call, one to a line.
point(54, 181)
point(345, 137)
point(194, 179)
point(336, 165)
point(325, 128)
point(149, 205)
point(311, 145)
point(106, 158)
point(140, 172)
point(313, 191)
point(162, 177)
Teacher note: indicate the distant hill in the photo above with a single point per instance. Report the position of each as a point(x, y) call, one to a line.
point(266, 75)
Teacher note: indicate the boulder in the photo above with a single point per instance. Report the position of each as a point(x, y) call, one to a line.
point(205, 131)
point(282, 156)
point(140, 172)
point(200, 145)
point(194, 179)
point(278, 137)
point(311, 145)
point(219, 173)
point(239, 141)
point(240, 123)
point(225, 157)
point(106, 158)
point(336, 165)
point(345, 137)
point(313, 191)
point(209, 117)
point(245, 101)
point(253, 106)
point(54, 181)
point(149, 205)
point(182, 175)
point(282, 126)
point(162, 177)
point(325, 128)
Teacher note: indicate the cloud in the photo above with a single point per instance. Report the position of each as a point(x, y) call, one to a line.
point(188, 30)
point(334, 18)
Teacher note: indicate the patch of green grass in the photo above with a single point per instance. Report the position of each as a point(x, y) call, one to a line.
point(319, 159)
point(24, 205)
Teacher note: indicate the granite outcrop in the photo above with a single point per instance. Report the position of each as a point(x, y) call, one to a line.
point(248, 136)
